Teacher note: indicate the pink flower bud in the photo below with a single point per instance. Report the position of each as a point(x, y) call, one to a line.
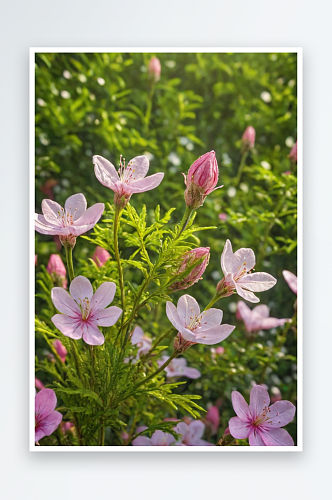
point(35, 260)
point(212, 419)
point(222, 216)
point(201, 180)
point(220, 350)
point(288, 172)
point(293, 154)
point(57, 270)
point(248, 138)
point(60, 349)
point(226, 433)
point(67, 427)
point(154, 69)
point(195, 274)
point(100, 256)
point(38, 384)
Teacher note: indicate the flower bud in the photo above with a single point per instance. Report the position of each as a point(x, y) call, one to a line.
point(293, 154)
point(154, 69)
point(60, 349)
point(248, 138)
point(195, 274)
point(201, 180)
point(57, 270)
point(100, 256)
point(212, 419)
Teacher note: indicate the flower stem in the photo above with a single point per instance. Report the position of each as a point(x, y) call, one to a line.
point(70, 266)
point(148, 110)
point(160, 369)
point(213, 301)
point(185, 220)
point(93, 376)
point(162, 337)
point(241, 167)
point(118, 261)
point(76, 359)
point(102, 434)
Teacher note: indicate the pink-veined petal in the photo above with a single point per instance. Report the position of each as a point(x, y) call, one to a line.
point(255, 438)
point(187, 309)
point(80, 289)
point(227, 258)
point(48, 425)
point(146, 184)
point(138, 166)
point(245, 294)
point(45, 402)
point(238, 428)
point(173, 316)
point(92, 335)
point(280, 414)
point(214, 335)
point(276, 437)
point(211, 317)
point(52, 212)
point(291, 280)
point(70, 327)
point(103, 296)
point(76, 205)
point(64, 303)
point(45, 227)
point(107, 317)
point(259, 399)
point(257, 282)
point(105, 172)
point(192, 373)
point(243, 258)
point(90, 216)
point(137, 335)
point(241, 407)
point(196, 430)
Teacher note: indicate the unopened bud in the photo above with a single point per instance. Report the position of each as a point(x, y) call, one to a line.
point(56, 269)
point(60, 349)
point(201, 180)
point(248, 138)
point(195, 274)
point(100, 256)
point(154, 69)
point(293, 154)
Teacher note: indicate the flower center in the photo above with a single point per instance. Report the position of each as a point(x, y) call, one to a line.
point(84, 305)
point(66, 218)
point(127, 174)
point(263, 417)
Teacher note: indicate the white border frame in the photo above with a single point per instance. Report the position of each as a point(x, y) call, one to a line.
point(172, 449)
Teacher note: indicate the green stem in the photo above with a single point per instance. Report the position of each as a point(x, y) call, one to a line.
point(162, 337)
point(76, 359)
point(118, 261)
point(185, 220)
point(70, 266)
point(160, 369)
point(148, 110)
point(213, 301)
point(241, 167)
point(102, 434)
point(93, 378)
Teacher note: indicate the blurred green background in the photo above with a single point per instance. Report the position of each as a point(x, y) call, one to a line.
point(105, 104)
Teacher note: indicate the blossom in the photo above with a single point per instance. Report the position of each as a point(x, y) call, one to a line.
point(100, 256)
point(154, 69)
point(39, 384)
point(222, 216)
point(143, 343)
point(248, 138)
point(259, 421)
point(291, 280)
point(60, 349)
point(201, 180)
point(191, 434)
point(67, 427)
point(212, 419)
point(128, 180)
point(258, 318)
point(237, 271)
point(293, 154)
point(83, 311)
point(56, 269)
point(195, 327)
point(46, 419)
point(158, 438)
point(36, 260)
point(69, 222)
point(188, 259)
point(178, 368)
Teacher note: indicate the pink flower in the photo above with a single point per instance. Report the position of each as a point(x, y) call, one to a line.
point(83, 311)
point(100, 256)
point(128, 180)
point(60, 349)
point(291, 280)
point(46, 419)
point(158, 438)
point(201, 180)
point(67, 427)
point(258, 318)
point(288, 172)
point(220, 350)
point(188, 259)
point(68, 223)
point(39, 384)
point(154, 69)
point(178, 368)
point(261, 423)
point(293, 154)
point(195, 327)
point(57, 270)
point(143, 343)
point(238, 277)
point(248, 138)
point(212, 419)
point(191, 434)
point(35, 260)
point(222, 216)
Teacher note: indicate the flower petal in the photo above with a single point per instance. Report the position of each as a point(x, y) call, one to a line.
point(146, 184)
point(103, 296)
point(243, 258)
point(76, 205)
point(241, 407)
point(276, 437)
point(45, 227)
point(196, 430)
point(227, 258)
point(45, 402)
point(92, 335)
point(105, 172)
point(137, 335)
point(52, 212)
point(142, 441)
point(255, 438)
point(192, 373)
point(259, 399)
point(211, 317)
point(88, 220)
point(48, 425)
point(64, 303)
point(107, 317)
point(214, 335)
point(262, 310)
point(139, 166)
point(70, 327)
point(80, 289)
point(238, 428)
point(268, 323)
point(160, 438)
point(187, 308)
point(280, 414)
point(251, 297)
point(173, 316)
point(291, 280)
point(257, 282)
